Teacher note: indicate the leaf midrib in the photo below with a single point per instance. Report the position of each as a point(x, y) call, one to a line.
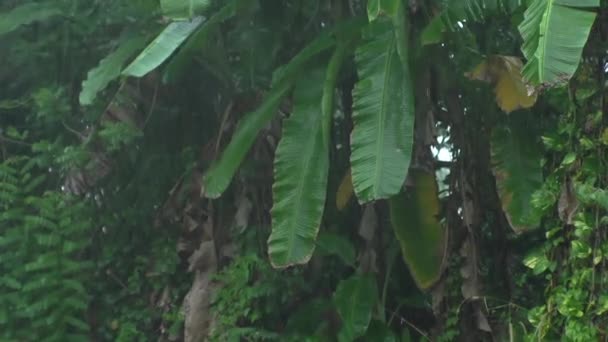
point(544, 30)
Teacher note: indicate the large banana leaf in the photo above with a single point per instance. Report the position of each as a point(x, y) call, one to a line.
point(517, 159)
point(108, 69)
point(355, 299)
point(183, 9)
point(179, 63)
point(27, 14)
point(554, 33)
point(161, 47)
point(414, 220)
point(383, 116)
point(300, 178)
point(219, 176)
point(301, 168)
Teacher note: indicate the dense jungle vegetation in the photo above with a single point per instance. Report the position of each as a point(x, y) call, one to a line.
point(303, 170)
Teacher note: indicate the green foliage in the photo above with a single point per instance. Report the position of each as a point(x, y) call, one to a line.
point(218, 178)
point(183, 9)
point(170, 38)
point(108, 69)
point(220, 175)
point(101, 213)
point(180, 62)
point(355, 300)
point(26, 14)
point(44, 277)
point(376, 8)
point(334, 244)
point(300, 174)
point(383, 117)
point(554, 34)
point(517, 160)
point(251, 295)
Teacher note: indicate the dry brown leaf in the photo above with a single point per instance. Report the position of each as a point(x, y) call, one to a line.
point(567, 204)
point(345, 191)
point(504, 72)
point(367, 230)
point(468, 271)
point(369, 223)
point(243, 210)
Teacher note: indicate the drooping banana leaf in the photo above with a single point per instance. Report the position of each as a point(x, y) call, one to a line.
point(300, 178)
point(414, 219)
point(27, 14)
point(383, 115)
point(219, 176)
point(302, 166)
point(554, 34)
point(108, 69)
point(183, 9)
point(162, 47)
point(516, 156)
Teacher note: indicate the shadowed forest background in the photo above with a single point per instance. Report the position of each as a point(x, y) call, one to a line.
point(303, 170)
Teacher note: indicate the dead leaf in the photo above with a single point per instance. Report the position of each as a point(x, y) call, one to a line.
point(504, 72)
point(369, 223)
point(482, 320)
point(203, 258)
point(243, 210)
point(198, 319)
point(367, 261)
point(468, 271)
point(567, 204)
point(345, 191)
point(367, 230)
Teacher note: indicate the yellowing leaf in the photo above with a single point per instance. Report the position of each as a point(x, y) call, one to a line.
point(420, 234)
point(504, 72)
point(345, 191)
point(604, 138)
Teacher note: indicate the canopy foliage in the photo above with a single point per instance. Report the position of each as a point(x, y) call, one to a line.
point(319, 170)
